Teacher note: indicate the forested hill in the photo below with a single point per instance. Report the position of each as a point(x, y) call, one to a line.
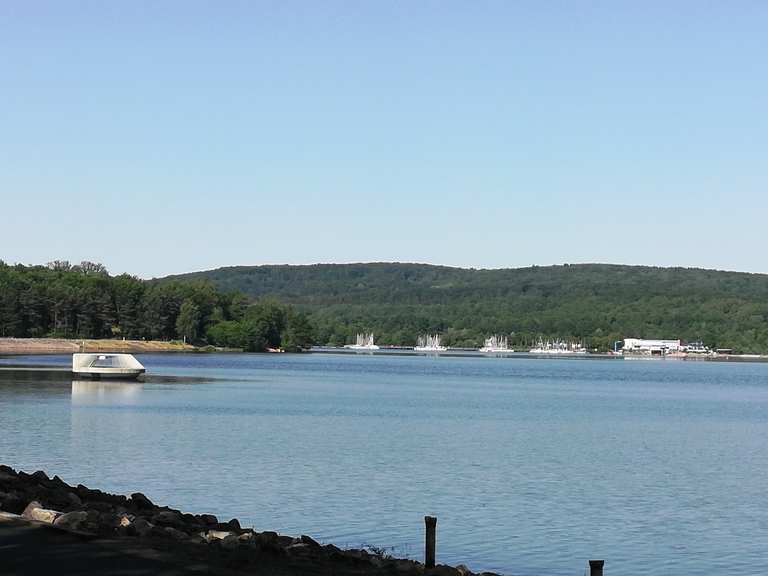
point(594, 302)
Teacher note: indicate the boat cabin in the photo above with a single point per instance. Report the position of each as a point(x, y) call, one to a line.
point(107, 366)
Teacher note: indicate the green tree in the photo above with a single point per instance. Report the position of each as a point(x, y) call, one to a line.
point(298, 334)
point(188, 321)
point(268, 317)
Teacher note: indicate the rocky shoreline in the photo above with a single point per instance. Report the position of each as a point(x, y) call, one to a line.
point(220, 545)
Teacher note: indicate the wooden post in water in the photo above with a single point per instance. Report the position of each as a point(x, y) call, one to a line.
point(596, 567)
point(431, 541)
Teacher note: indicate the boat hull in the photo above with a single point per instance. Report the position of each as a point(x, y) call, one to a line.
point(107, 373)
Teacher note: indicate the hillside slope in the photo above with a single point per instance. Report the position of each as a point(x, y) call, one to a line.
point(598, 303)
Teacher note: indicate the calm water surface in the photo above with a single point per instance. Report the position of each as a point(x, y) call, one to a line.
point(532, 466)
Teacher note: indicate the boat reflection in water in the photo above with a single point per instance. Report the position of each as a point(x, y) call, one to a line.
point(87, 392)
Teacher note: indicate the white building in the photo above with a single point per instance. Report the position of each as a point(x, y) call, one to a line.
point(650, 347)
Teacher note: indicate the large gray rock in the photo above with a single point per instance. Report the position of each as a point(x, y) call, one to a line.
point(109, 522)
point(218, 535)
point(355, 553)
point(13, 502)
point(209, 519)
point(233, 525)
point(298, 549)
point(72, 520)
point(35, 511)
point(190, 520)
point(7, 474)
point(309, 541)
point(168, 518)
point(105, 507)
point(73, 499)
point(267, 540)
point(285, 541)
point(40, 476)
point(59, 483)
point(142, 527)
point(230, 542)
point(141, 501)
point(407, 566)
point(175, 534)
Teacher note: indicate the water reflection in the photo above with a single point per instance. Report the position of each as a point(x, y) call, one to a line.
point(669, 477)
point(90, 392)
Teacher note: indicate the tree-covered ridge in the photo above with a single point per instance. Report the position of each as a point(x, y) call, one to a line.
point(84, 301)
point(596, 303)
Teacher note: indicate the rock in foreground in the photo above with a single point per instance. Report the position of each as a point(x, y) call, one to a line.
point(203, 537)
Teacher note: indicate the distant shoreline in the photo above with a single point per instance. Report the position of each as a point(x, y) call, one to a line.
point(50, 346)
point(34, 346)
point(523, 354)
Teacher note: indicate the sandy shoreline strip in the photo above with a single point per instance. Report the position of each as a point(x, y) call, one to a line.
point(28, 346)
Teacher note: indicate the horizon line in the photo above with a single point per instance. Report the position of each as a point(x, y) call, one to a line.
point(457, 267)
point(399, 262)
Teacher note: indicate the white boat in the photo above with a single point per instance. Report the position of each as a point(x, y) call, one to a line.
point(691, 350)
point(363, 342)
point(429, 343)
point(98, 366)
point(698, 349)
point(496, 345)
point(557, 347)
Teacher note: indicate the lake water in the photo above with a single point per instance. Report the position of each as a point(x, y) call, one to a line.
point(532, 466)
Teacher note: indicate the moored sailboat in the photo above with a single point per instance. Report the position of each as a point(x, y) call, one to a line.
point(496, 345)
point(429, 343)
point(557, 347)
point(363, 342)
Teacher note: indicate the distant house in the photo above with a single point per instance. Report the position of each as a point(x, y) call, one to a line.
point(650, 347)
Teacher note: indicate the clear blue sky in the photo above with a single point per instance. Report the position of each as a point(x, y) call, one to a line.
point(163, 137)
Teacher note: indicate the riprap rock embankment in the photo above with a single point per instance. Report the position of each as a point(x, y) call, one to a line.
point(93, 513)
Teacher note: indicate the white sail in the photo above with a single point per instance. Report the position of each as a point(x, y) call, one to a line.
point(363, 342)
point(561, 347)
point(429, 343)
point(496, 345)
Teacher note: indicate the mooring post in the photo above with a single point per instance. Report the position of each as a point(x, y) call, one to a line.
point(596, 567)
point(431, 541)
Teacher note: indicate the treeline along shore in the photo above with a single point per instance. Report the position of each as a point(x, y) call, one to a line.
point(83, 302)
point(200, 539)
point(256, 308)
point(595, 304)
